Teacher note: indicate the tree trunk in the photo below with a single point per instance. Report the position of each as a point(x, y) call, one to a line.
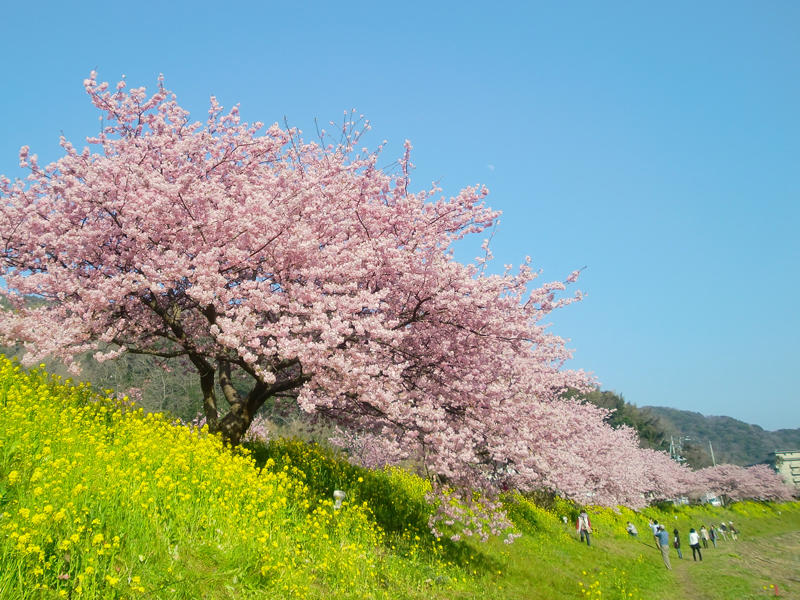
point(234, 425)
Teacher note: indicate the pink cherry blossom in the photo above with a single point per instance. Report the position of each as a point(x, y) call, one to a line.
point(249, 253)
point(252, 255)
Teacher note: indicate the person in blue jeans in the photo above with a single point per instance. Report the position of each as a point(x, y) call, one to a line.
point(676, 541)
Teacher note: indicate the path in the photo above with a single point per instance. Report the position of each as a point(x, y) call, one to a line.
point(770, 560)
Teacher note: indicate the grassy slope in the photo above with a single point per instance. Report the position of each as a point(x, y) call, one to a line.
point(550, 562)
point(101, 503)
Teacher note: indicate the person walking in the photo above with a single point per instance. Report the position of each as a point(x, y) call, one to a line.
point(712, 535)
point(734, 532)
point(723, 529)
point(663, 543)
point(694, 544)
point(584, 527)
point(676, 542)
point(704, 535)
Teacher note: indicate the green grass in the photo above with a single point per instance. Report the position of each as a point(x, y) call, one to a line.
point(550, 562)
point(99, 500)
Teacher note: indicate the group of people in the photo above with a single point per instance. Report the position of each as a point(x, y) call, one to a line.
point(696, 537)
point(583, 526)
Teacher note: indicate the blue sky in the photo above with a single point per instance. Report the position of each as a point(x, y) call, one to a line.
point(656, 143)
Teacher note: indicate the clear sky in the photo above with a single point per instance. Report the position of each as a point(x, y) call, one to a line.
point(656, 143)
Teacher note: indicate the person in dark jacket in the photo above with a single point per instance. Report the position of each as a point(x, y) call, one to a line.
point(676, 542)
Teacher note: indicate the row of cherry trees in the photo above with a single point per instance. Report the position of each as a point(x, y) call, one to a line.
point(581, 457)
point(306, 270)
point(758, 482)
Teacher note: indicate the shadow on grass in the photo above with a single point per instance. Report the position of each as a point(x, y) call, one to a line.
point(396, 498)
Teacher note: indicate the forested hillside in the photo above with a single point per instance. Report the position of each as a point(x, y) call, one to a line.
point(733, 441)
point(652, 433)
point(144, 378)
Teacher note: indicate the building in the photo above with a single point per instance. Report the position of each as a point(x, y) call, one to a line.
point(787, 463)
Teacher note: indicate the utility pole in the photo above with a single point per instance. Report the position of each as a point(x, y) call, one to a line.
point(710, 447)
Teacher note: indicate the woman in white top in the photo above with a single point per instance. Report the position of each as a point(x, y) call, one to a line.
point(694, 544)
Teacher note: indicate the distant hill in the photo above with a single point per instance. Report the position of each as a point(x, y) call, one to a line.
point(733, 441)
point(648, 426)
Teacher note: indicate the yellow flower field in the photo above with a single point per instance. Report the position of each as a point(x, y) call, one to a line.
point(100, 500)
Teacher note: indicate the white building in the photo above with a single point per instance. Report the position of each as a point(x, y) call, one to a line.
point(787, 462)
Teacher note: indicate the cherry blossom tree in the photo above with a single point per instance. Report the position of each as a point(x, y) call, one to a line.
point(308, 272)
point(300, 267)
point(578, 455)
point(758, 482)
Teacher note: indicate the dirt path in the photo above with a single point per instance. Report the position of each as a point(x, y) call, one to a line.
point(770, 560)
point(685, 571)
point(774, 559)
